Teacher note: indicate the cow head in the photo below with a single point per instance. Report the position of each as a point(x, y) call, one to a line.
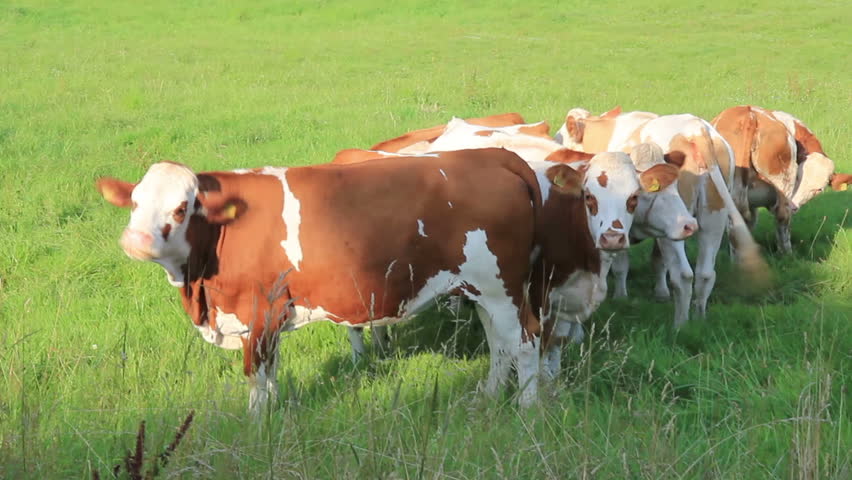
point(813, 176)
point(661, 211)
point(161, 206)
point(610, 190)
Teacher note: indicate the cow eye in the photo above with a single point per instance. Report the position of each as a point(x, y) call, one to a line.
point(180, 213)
point(632, 202)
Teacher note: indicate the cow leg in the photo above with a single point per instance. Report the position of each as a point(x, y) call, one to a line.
point(658, 264)
point(607, 259)
point(263, 379)
point(356, 340)
point(620, 267)
point(380, 339)
point(680, 275)
point(500, 363)
point(509, 346)
point(709, 240)
point(783, 215)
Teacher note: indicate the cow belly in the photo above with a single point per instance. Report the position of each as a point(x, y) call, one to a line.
point(761, 194)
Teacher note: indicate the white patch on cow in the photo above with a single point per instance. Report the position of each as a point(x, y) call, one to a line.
point(814, 174)
point(450, 204)
point(420, 228)
point(242, 171)
point(625, 125)
point(228, 332)
point(443, 173)
point(411, 273)
point(789, 121)
point(291, 216)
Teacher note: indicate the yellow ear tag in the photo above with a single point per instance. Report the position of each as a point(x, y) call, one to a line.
point(230, 211)
point(559, 181)
point(655, 186)
point(844, 187)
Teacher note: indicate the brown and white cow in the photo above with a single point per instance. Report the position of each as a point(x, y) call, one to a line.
point(412, 142)
point(780, 164)
point(350, 253)
point(703, 183)
point(611, 131)
point(575, 227)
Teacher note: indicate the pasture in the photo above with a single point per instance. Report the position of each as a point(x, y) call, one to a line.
point(92, 343)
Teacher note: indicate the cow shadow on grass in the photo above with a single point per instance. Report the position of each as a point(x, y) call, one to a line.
point(437, 332)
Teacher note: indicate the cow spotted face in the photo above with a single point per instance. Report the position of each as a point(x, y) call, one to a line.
point(611, 193)
point(160, 208)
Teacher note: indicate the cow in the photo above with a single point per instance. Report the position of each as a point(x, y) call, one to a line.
point(608, 132)
point(411, 142)
point(567, 275)
point(256, 252)
point(704, 181)
point(780, 164)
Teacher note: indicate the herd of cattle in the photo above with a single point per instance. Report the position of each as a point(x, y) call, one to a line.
point(491, 209)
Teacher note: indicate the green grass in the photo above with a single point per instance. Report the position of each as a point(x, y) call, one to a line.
point(92, 343)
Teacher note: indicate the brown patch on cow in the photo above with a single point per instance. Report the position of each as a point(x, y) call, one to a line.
point(807, 138)
point(356, 155)
point(484, 133)
point(432, 133)
point(603, 179)
point(166, 230)
point(566, 155)
point(541, 129)
point(616, 111)
point(632, 203)
point(591, 203)
point(617, 224)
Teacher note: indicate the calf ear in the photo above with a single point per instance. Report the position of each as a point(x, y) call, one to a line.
point(658, 177)
point(675, 157)
point(115, 191)
point(840, 182)
point(221, 210)
point(575, 127)
point(565, 179)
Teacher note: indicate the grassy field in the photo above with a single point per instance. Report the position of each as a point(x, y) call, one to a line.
point(92, 343)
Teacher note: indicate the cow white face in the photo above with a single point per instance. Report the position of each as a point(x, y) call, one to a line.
point(611, 192)
point(661, 211)
point(161, 205)
point(813, 176)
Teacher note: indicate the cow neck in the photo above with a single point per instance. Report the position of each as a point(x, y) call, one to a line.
point(202, 263)
point(567, 245)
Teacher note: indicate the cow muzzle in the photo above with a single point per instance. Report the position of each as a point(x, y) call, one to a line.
point(613, 240)
point(137, 244)
point(688, 229)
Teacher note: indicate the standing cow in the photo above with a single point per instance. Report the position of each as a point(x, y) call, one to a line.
point(350, 253)
point(780, 165)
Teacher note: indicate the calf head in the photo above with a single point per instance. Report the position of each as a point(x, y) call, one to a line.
point(661, 211)
point(161, 207)
point(610, 190)
point(813, 176)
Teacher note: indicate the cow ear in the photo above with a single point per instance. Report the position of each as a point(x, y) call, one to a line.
point(115, 191)
point(675, 157)
point(612, 113)
point(565, 179)
point(575, 127)
point(840, 182)
point(219, 210)
point(658, 177)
